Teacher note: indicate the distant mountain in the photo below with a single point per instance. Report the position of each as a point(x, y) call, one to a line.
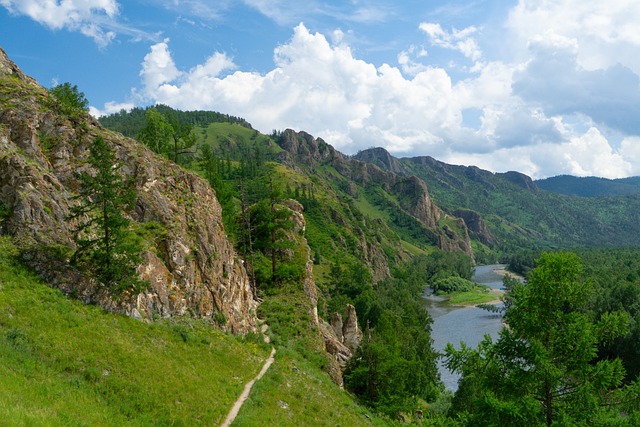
point(518, 211)
point(590, 186)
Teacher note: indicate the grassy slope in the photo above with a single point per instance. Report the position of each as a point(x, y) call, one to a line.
point(296, 391)
point(65, 363)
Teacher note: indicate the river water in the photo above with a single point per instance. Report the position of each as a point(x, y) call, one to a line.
point(468, 324)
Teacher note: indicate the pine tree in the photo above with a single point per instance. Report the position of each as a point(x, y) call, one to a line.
point(105, 246)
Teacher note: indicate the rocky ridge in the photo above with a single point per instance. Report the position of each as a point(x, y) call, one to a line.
point(190, 265)
point(411, 192)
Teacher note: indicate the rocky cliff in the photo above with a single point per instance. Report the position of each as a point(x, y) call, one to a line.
point(377, 168)
point(190, 265)
point(340, 339)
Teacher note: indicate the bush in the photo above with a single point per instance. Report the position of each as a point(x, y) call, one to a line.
point(70, 100)
point(453, 284)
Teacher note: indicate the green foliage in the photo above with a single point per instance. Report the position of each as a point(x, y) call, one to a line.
point(5, 214)
point(441, 265)
point(130, 123)
point(543, 368)
point(616, 278)
point(521, 216)
point(590, 186)
point(105, 246)
point(70, 100)
point(157, 132)
point(452, 284)
point(394, 367)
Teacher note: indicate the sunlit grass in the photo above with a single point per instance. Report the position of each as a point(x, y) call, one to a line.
point(65, 363)
point(479, 295)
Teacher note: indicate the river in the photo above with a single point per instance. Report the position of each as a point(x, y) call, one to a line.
point(468, 324)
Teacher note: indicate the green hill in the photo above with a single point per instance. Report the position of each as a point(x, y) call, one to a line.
point(519, 213)
point(590, 186)
point(66, 363)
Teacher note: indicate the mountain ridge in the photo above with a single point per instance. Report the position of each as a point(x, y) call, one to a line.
point(590, 186)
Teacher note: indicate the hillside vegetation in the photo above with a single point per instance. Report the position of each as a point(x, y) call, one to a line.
point(66, 363)
point(590, 186)
point(234, 234)
point(518, 213)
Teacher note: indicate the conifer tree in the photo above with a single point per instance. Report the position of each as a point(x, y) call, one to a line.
point(105, 246)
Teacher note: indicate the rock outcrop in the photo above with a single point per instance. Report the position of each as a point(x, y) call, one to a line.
point(190, 265)
point(476, 226)
point(521, 179)
point(347, 332)
point(351, 333)
point(385, 172)
point(337, 352)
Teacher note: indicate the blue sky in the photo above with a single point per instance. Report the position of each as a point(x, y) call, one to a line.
point(545, 88)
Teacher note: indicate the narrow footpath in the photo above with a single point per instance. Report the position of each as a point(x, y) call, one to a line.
point(247, 389)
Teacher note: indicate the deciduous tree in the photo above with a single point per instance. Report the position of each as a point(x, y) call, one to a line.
point(543, 368)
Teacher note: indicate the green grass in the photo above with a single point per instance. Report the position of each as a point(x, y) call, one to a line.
point(65, 363)
point(296, 391)
point(479, 295)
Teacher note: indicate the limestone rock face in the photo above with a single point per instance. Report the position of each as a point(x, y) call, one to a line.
point(336, 325)
point(418, 201)
point(334, 335)
point(190, 264)
point(352, 335)
point(476, 226)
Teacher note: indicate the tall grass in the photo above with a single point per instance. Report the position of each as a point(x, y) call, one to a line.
point(65, 363)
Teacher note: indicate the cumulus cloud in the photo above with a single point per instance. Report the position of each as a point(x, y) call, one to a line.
point(89, 17)
point(411, 66)
point(587, 154)
point(459, 40)
point(544, 111)
point(318, 87)
point(606, 33)
point(555, 81)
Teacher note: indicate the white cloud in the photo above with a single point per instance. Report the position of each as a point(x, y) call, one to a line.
point(89, 17)
point(555, 81)
point(110, 108)
point(411, 66)
point(630, 150)
point(588, 154)
point(542, 111)
point(606, 33)
point(459, 40)
point(158, 68)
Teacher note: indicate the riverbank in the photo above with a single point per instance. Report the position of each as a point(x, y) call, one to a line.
point(477, 296)
point(502, 271)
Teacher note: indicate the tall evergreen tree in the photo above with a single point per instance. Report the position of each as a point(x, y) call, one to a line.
point(105, 246)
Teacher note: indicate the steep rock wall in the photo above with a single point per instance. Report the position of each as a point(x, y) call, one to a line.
point(190, 264)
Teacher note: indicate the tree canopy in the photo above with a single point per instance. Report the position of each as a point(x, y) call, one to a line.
point(543, 369)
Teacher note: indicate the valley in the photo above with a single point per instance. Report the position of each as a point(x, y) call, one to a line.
point(228, 229)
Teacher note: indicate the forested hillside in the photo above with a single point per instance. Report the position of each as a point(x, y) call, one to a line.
point(516, 211)
point(590, 186)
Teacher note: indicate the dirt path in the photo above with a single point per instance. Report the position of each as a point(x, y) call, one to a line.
point(247, 389)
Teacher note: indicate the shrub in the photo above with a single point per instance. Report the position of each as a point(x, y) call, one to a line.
point(453, 284)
